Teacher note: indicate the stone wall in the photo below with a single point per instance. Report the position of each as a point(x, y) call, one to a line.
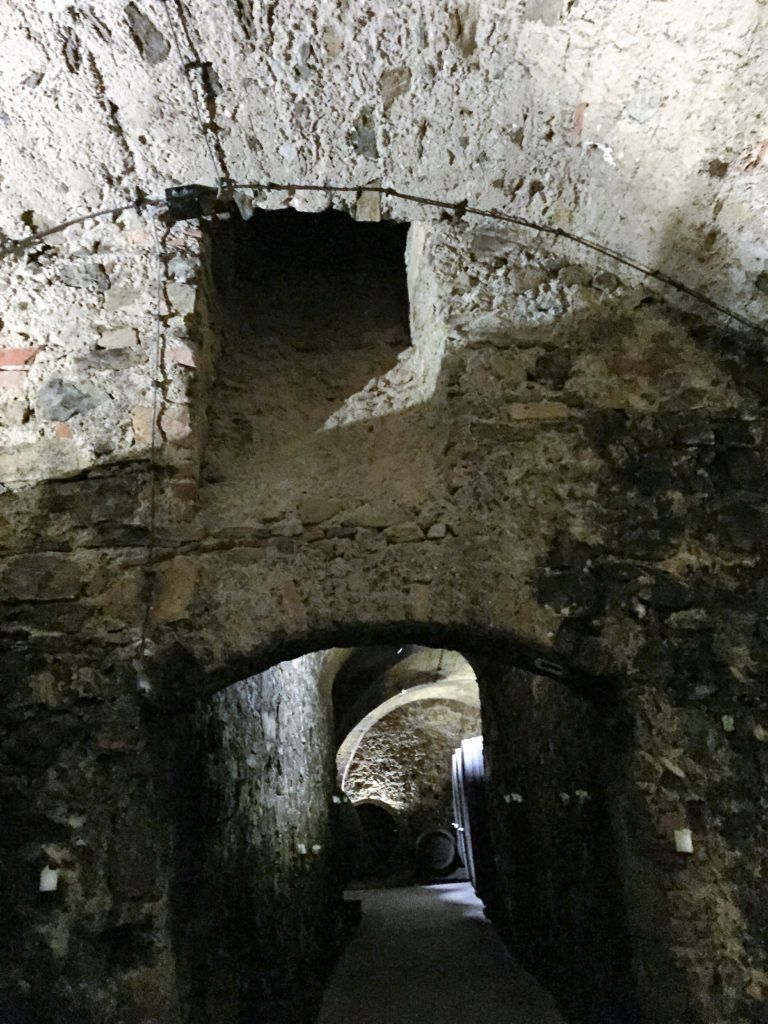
point(562, 466)
point(589, 804)
point(641, 126)
point(559, 467)
point(256, 890)
point(82, 388)
point(536, 403)
point(369, 681)
point(699, 766)
point(559, 896)
point(404, 760)
point(86, 843)
point(192, 852)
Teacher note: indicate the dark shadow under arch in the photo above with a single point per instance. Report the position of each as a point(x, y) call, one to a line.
point(179, 678)
point(182, 685)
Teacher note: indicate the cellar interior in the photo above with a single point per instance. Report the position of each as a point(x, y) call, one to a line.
point(383, 495)
point(275, 838)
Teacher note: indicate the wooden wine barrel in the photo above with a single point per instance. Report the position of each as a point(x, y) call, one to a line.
point(457, 809)
point(436, 853)
point(469, 800)
point(462, 816)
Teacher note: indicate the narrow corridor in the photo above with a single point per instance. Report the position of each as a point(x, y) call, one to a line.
point(427, 955)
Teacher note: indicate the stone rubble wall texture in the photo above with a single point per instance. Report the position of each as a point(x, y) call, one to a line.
point(404, 760)
point(194, 850)
point(641, 125)
point(584, 474)
point(558, 898)
point(561, 465)
point(371, 683)
point(402, 684)
point(90, 322)
point(83, 796)
point(258, 903)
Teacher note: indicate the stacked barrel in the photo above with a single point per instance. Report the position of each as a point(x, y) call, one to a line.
point(470, 815)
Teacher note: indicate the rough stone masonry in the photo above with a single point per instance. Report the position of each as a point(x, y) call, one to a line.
point(208, 466)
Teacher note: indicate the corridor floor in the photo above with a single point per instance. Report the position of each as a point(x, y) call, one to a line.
point(427, 955)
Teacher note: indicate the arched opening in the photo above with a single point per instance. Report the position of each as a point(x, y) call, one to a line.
point(262, 823)
point(381, 839)
point(425, 700)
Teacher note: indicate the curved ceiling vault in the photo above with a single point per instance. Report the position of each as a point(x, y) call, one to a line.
point(638, 124)
point(424, 674)
point(369, 676)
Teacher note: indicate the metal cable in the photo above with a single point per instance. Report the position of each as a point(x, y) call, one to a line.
point(461, 208)
point(458, 209)
point(11, 246)
point(156, 366)
point(219, 174)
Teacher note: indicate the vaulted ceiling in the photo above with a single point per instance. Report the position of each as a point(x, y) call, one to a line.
point(640, 124)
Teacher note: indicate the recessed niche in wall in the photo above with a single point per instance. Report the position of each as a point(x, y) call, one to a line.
point(312, 313)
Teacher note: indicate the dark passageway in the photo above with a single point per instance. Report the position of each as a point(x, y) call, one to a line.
point(428, 955)
point(275, 819)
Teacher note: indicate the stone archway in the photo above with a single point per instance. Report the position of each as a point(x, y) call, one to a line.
point(263, 724)
point(426, 692)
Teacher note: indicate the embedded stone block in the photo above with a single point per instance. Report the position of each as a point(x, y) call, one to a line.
point(13, 380)
point(118, 337)
point(368, 206)
point(176, 423)
point(404, 533)
point(141, 421)
point(175, 589)
point(89, 276)
point(59, 399)
point(41, 577)
point(539, 411)
point(181, 354)
point(149, 40)
point(52, 457)
point(18, 356)
point(181, 297)
point(129, 300)
point(14, 409)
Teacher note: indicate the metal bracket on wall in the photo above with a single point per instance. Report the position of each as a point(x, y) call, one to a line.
point(188, 202)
